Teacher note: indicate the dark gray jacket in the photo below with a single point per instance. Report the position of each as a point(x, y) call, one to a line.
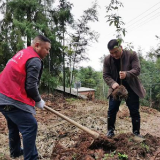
point(34, 68)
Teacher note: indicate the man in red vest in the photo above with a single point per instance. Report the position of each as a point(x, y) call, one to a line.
point(19, 96)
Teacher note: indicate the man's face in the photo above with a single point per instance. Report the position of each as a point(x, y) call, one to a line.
point(42, 48)
point(116, 52)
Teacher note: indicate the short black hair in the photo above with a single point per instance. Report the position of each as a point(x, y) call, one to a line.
point(43, 38)
point(112, 44)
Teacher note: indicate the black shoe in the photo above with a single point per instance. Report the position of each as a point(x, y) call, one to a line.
point(110, 134)
point(17, 155)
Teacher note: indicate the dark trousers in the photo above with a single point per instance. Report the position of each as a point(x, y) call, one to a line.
point(23, 122)
point(133, 106)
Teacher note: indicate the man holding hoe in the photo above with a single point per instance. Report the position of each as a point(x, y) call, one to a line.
point(19, 96)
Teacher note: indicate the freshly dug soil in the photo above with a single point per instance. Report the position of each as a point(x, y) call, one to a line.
point(123, 146)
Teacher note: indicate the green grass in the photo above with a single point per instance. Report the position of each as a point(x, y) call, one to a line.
point(122, 156)
point(143, 145)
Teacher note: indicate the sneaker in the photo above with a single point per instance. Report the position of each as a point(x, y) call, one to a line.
point(110, 133)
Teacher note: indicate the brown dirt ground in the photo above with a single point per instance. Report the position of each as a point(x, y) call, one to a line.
point(59, 140)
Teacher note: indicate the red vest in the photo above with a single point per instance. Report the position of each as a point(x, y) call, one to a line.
point(12, 78)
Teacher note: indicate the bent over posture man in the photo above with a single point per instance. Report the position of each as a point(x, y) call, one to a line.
point(19, 94)
point(113, 74)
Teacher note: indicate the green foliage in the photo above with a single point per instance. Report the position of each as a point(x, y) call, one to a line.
point(146, 147)
point(122, 156)
point(107, 155)
point(92, 79)
point(2, 155)
point(115, 19)
point(48, 82)
point(114, 5)
point(150, 78)
point(24, 19)
point(81, 37)
point(62, 16)
point(69, 100)
point(129, 46)
point(88, 77)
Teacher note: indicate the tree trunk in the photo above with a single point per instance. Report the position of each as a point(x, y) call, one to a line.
point(73, 69)
point(29, 20)
point(64, 75)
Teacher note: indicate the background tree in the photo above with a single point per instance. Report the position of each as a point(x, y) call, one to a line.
point(81, 38)
point(150, 79)
point(22, 21)
point(92, 79)
point(62, 16)
point(114, 19)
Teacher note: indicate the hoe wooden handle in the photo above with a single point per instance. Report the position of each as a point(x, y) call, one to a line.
point(92, 133)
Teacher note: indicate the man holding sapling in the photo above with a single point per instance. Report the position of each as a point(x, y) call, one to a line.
point(120, 71)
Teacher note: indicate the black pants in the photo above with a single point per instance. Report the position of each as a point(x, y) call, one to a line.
point(133, 106)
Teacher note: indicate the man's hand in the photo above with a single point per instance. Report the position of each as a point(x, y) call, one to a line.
point(115, 85)
point(40, 104)
point(122, 74)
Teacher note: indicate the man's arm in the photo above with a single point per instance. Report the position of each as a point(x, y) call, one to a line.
point(135, 65)
point(33, 68)
point(107, 74)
